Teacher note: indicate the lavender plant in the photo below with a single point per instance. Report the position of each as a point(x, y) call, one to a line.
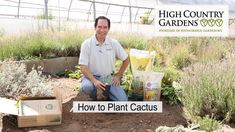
point(210, 88)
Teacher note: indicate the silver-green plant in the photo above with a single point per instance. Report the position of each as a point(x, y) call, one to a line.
point(15, 81)
point(178, 128)
point(209, 89)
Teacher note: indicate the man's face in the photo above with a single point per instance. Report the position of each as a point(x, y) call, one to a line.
point(102, 28)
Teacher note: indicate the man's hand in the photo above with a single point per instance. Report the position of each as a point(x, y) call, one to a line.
point(99, 84)
point(116, 80)
point(87, 73)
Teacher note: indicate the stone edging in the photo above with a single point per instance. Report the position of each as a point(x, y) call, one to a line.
point(51, 66)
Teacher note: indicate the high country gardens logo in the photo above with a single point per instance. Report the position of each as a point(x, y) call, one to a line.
point(192, 20)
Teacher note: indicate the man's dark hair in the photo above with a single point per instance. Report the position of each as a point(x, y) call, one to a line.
point(102, 17)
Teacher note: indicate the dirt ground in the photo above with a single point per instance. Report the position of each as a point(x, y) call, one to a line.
point(98, 122)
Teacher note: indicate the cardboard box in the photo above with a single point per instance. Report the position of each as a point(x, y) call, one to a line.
point(33, 111)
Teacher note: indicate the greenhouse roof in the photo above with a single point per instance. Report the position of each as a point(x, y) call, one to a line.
point(87, 10)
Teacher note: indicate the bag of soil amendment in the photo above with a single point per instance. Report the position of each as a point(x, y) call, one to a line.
point(152, 86)
point(146, 84)
point(141, 60)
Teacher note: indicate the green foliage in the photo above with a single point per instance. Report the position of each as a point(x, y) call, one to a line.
point(161, 56)
point(170, 90)
point(77, 87)
point(209, 88)
point(132, 86)
point(180, 56)
point(207, 124)
point(170, 93)
point(146, 18)
point(57, 119)
point(181, 52)
point(64, 73)
point(50, 16)
point(77, 74)
point(132, 41)
point(127, 81)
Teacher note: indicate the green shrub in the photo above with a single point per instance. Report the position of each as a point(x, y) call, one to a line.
point(195, 43)
point(207, 124)
point(161, 56)
point(77, 74)
point(170, 93)
point(210, 88)
point(180, 56)
point(126, 81)
point(65, 73)
point(169, 90)
point(145, 19)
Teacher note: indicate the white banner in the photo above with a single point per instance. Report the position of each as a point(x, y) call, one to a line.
point(117, 107)
point(192, 20)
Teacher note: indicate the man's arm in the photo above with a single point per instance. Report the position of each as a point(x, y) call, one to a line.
point(123, 67)
point(85, 71)
point(117, 78)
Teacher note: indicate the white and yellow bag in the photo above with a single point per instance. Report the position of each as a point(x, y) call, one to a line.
point(141, 60)
point(142, 68)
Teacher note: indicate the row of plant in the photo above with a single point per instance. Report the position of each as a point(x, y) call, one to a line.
point(177, 52)
point(207, 91)
point(41, 45)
